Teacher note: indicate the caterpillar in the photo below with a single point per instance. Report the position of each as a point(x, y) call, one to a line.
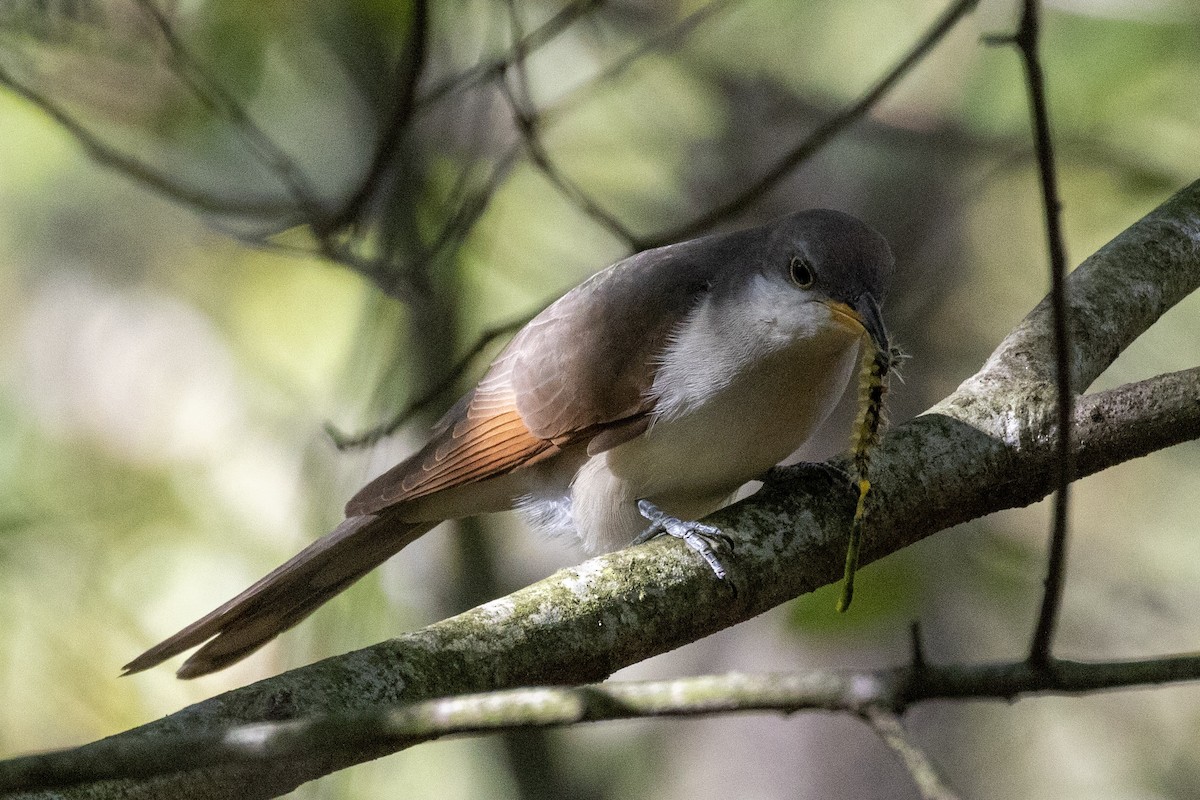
point(872, 389)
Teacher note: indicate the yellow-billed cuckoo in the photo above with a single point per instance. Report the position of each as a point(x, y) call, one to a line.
point(651, 391)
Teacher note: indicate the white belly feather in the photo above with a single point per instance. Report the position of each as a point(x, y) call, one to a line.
point(737, 393)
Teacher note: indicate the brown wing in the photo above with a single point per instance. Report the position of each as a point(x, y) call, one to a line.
point(482, 436)
point(588, 362)
point(581, 368)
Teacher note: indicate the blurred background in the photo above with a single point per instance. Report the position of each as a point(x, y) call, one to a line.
point(205, 261)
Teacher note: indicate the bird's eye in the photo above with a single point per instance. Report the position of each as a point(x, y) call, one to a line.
point(801, 272)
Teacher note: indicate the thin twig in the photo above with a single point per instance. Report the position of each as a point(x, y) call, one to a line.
point(394, 727)
point(135, 169)
point(1026, 41)
point(452, 232)
point(824, 134)
point(343, 441)
point(569, 189)
point(525, 117)
point(260, 145)
point(918, 648)
point(924, 775)
point(540, 36)
point(518, 54)
point(671, 37)
point(210, 92)
point(472, 207)
point(379, 271)
point(410, 70)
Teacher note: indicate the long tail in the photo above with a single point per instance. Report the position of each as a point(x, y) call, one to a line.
point(284, 597)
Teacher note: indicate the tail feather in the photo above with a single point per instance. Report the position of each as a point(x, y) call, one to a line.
point(284, 597)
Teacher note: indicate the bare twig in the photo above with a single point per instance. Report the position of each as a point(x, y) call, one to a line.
point(525, 116)
point(670, 37)
point(343, 441)
point(1026, 41)
point(379, 271)
point(887, 726)
point(410, 70)
point(569, 189)
point(210, 91)
point(139, 171)
point(472, 207)
point(490, 70)
point(917, 646)
point(824, 134)
point(871, 694)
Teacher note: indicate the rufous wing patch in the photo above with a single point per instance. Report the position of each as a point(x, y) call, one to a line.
point(486, 437)
point(579, 372)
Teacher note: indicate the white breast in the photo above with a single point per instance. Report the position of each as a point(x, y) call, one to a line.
point(740, 388)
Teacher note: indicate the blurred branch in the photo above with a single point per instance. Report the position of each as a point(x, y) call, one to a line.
point(529, 121)
point(888, 727)
point(875, 695)
point(210, 91)
point(139, 171)
point(343, 441)
point(471, 207)
point(527, 125)
point(409, 71)
point(824, 134)
point(670, 37)
point(490, 70)
point(1005, 152)
point(381, 271)
point(525, 117)
point(289, 172)
point(990, 445)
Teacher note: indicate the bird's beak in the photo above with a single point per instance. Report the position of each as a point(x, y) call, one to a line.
point(865, 314)
point(872, 319)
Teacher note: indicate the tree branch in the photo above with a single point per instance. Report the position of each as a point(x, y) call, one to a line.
point(823, 135)
point(887, 726)
point(408, 72)
point(987, 447)
point(611, 73)
point(208, 90)
point(525, 117)
point(371, 436)
point(547, 32)
point(136, 169)
point(875, 695)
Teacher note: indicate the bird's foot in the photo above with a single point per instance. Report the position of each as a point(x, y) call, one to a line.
point(699, 536)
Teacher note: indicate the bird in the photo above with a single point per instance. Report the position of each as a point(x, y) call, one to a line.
point(649, 393)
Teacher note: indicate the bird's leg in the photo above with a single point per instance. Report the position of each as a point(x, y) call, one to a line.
point(699, 536)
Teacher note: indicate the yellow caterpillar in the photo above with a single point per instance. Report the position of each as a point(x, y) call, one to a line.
point(872, 388)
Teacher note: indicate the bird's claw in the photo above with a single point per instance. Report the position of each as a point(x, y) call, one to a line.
point(699, 536)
